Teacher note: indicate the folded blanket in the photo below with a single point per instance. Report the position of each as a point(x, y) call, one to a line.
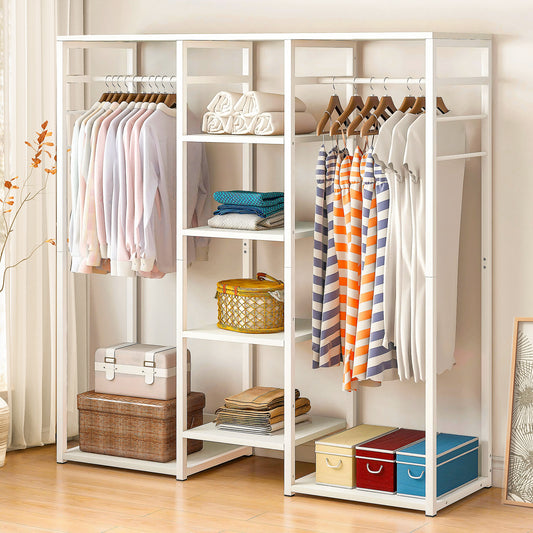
point(258, 398)
point(214, 123)
point(263, 212)
point(246, 221)
point(272, 123)
point(252, 417)
point(238, 124)
point(223, 103)
point(259, 199)
point(262, 430)
point(254, 102)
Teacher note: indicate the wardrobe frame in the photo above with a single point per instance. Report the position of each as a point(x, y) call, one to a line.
point(221, 446)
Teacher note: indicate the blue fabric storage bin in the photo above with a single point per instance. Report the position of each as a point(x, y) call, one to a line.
point(457, 464)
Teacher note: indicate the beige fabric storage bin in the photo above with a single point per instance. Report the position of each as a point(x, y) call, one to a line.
point(140, 370)
point(335, 455)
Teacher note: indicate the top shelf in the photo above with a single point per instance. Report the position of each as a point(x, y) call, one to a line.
point(360, 36)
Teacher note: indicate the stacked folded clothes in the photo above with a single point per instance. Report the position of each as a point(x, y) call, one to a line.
point(259, 410)
point(255, 113)
point(248, 210)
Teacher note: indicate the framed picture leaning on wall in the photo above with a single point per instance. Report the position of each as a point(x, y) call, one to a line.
point(518, 474)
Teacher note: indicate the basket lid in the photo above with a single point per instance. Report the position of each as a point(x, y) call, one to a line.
point(250, 284)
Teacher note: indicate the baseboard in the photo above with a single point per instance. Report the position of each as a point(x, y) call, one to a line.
point(498, 464)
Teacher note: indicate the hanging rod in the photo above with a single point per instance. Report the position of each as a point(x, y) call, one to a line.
point(311, 80)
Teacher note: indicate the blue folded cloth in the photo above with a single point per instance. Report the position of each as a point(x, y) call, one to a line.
point(263, 212)
point(258, 199)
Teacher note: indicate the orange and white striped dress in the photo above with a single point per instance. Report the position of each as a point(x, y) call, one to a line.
point(342, 219)
point(353, 212)
point(368, 265)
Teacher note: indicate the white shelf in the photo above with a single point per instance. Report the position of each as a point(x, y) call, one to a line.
point(252, 139)
point(212, 454)
point(302, 230)
point(313, 429)
point(214, 333)
point(308, 485)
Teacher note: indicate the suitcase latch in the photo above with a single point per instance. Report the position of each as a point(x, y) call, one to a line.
point(109, 364)
point(149, 371)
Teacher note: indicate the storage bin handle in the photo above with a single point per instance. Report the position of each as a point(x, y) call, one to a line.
point(336, 467)
point(378, 471)
point(414, 477)
point(261, 276)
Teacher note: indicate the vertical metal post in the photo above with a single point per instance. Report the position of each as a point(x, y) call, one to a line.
point(289, 275)
point(132, 284)
point(181, 259)
point(61, 264)
point(431, 286)
point(486, 268)
point(248, 184)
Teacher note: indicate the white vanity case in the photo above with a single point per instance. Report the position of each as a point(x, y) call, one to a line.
point(140, 370)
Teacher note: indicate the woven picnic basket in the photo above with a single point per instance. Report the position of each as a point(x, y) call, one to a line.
point(251, 305)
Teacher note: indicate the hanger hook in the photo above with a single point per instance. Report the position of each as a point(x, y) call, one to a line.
point(106, 82)
point(333, 83)
point(420, 85)
point(407, 84)
point(117, 86)
point(384, 86)
point(371, 87)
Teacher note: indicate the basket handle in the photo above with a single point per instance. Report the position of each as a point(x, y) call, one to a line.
point(261, 276)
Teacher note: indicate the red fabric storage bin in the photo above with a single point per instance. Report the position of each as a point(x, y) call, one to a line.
point(376, 459)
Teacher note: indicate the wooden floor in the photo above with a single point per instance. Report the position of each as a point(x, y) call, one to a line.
point(36, 494)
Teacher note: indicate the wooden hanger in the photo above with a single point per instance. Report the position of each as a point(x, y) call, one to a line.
point(371, 103)
point(334, 104)
point(408, 101)
point(170, 100)
point(355, 102)
point(420, 102)
point(385, 104)
point(441, 106)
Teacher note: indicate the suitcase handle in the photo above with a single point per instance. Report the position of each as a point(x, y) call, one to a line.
point(374, 471)
point(414, 477)
point(336, 467)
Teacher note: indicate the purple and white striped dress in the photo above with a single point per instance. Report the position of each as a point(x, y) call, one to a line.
point(320, 251)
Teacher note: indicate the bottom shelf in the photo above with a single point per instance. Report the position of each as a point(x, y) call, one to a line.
point(212, 454)
point(308, 485)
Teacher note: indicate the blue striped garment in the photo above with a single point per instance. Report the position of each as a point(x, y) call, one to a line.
point(382, 364)
point(320, 250)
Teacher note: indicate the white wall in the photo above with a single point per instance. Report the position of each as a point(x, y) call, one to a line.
point(511, 23)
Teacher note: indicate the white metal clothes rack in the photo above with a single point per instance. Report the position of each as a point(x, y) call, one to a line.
point(222, 446)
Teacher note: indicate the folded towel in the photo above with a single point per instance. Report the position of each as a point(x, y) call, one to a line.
point(272, 123)
point(246, 221)
point(224, 209)
point(258, 398)
point(214, 123)
point(254, 102)
point(262, 430)
point(238, 124)
point(223, 103)
point(250, 417)
point(259, 199)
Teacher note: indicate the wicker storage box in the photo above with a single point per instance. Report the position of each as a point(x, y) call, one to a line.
point(138, 428)
point(251, 305)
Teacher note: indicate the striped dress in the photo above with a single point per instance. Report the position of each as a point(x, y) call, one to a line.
point(329, 345)
point(368, 265)
point(382, 364)
point(353, 213)
point(342, 219)
point(319, 253)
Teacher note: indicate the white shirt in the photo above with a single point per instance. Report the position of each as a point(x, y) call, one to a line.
point(451, 139)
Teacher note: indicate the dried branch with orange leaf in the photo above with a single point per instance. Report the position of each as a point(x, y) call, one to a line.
point(16, 196)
